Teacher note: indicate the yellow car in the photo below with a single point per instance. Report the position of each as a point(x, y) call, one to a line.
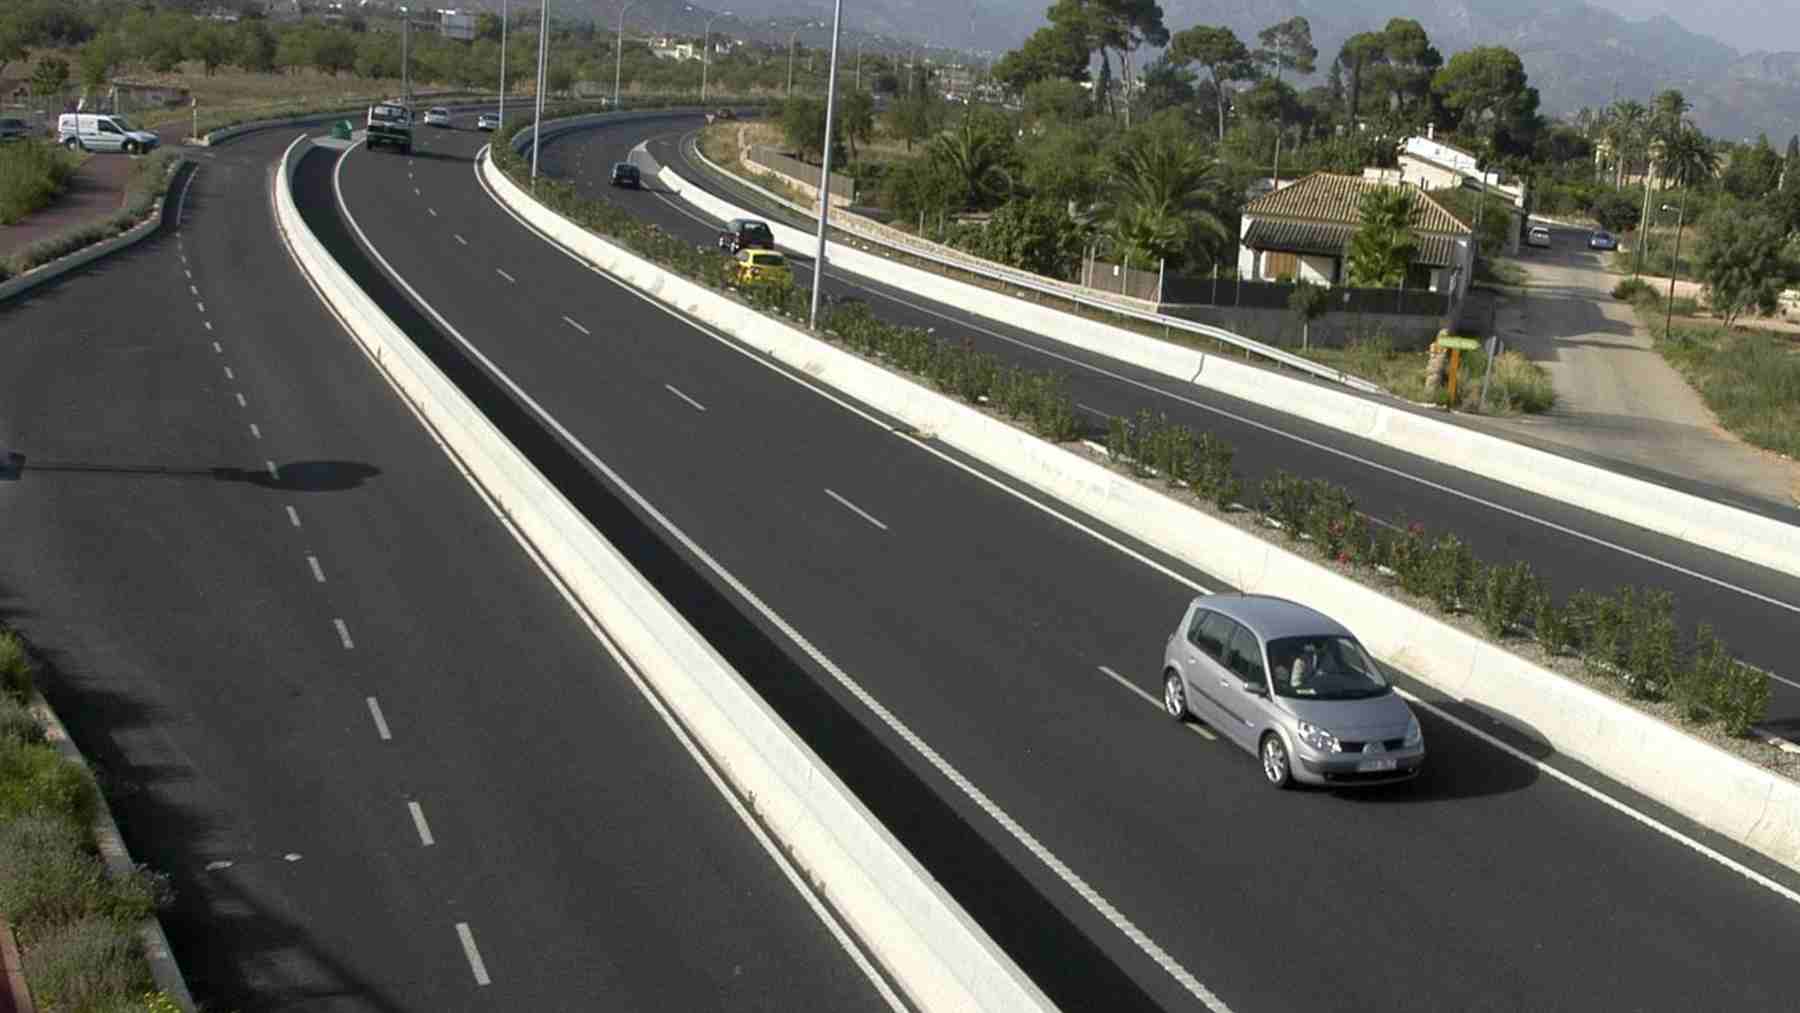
point(763, 266)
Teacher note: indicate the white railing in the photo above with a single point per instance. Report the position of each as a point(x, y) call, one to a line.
point(882, 235)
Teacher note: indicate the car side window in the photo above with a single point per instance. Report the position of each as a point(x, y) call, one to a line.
point(108, 128)
point(1208, 632)
point(1244, 657)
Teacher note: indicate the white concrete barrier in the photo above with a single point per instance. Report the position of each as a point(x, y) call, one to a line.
point(1740, 800)
point(1717, 526)
point(916, 931)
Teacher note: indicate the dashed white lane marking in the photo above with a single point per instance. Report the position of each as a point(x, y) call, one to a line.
point(254, 431)
point(419, 824)
point(344, 635)
point(201, 306)
point(577, 326)
point(509, 278)
point(684, 397)
point(217, 350)
point(274, 472)
point(474, 955)
point(1199, 730)
point(208, 324)
point(432, 212)
point(229, 375)
point(858, 511)
point(241, 402)
point(381, 725)
point(293, 516)
point(192, 290)
point(185, 271)
point(460, 239)
point(415, 191)
point(317, 571)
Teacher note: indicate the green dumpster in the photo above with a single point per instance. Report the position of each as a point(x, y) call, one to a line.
point(341, 130)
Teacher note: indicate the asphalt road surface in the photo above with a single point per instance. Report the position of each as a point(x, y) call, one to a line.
point(982, 668)
point(383, 761)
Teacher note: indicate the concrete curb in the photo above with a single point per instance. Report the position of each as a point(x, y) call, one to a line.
point(921, 937)
point(163, 968)
point(1750, 805)
point(143, 230)
point(1716, 526)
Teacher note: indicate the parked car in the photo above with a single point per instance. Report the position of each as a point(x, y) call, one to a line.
point(102, 132)
point(762, 266)
point(487, 121)
point(625, 174)
point(742, 233)
point(437, 116)
point(1602, 240)
point(725, 113)
point(14, 129)
point(1294, 688)
point(1538, 236)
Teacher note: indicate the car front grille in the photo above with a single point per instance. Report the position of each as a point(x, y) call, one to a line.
point(1351, 746)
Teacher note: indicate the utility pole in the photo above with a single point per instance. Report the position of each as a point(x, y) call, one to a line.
point(706, 52)
point(619, 54)
point(795, 34)
point(405, 38)
point(837, 16)
point(537, 125)
point(502, 65)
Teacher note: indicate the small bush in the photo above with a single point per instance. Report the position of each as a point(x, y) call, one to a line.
point(1632, 289)
point(91, 965)
point(1449, 567)
point(1695, 686)
point(15, 668)
point(1504, 595)
point(32, 173)
point(17, 724)
point(34, 778)
point(1550, 622)
point(1741, 697)
point(1651, 653)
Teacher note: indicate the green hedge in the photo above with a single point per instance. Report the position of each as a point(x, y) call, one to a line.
point(149, 182)
point(1629, 636)
point(32, 173)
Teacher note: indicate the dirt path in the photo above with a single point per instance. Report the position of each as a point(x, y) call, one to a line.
point(1616, 397)
point(96, 191)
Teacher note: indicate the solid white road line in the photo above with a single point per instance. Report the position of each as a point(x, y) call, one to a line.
point(418, 817)
point(509, 278)
point(1200, 730)
point(1096, 411)
point(575, 325)
point(343, 633)
point(293, 516)
point(830, 396)
point(858, 511)
point(241, 402)
point(317, 571)
point(381, 725)
point(254, 431)
point(474, 955)
point(684, 397)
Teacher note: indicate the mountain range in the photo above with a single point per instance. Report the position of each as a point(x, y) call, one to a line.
point(1577, 55)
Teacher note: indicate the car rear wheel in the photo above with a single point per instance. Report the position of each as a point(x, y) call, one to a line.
point(1175, 696)
point(73, 144)
point(1275, 762)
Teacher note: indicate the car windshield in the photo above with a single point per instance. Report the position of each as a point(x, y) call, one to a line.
point(755, 229)
point(770, 260)
point(387, 112)
point(1324, 668)
point(440, 112)
point(123, 124)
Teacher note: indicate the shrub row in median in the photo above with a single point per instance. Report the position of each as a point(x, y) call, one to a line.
point(1629, 637)
point(149, 183)
point(76, 925)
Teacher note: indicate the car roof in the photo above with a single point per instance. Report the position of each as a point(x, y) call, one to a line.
point(1271, 618)
point(624, 165)
point(747, 223)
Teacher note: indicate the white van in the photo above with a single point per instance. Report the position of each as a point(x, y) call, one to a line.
point(102, 132)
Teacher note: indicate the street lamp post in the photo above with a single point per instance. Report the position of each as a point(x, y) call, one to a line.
point(543, 52)
point(1674, 268)
point(619, 54)
point(837, 16)
point(706, 52)
point(795, 34)
point(502, 66)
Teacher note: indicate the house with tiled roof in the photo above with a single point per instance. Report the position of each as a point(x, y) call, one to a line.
point(1303, 231)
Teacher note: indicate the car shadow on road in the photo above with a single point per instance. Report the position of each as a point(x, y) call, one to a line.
point(1459, 763)
point(427, 155)
point(295, 476)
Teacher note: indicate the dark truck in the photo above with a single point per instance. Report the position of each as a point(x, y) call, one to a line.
point(390, 123)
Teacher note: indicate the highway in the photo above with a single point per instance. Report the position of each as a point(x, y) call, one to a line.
point(882, 592)
point(1571, 549)
point(384, 763)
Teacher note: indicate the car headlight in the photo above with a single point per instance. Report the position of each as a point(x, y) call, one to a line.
point(1318, 738)
point(1415, 736)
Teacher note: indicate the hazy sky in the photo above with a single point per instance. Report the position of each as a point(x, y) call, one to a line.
point(1747, 25)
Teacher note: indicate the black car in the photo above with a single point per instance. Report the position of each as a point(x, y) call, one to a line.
point(744, 233)
point(626, 174)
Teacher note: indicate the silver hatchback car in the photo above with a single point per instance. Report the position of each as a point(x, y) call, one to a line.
point(1294, 688)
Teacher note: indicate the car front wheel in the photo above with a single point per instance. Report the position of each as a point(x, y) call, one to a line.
point(73, 144)
point(1175, 696)
point(1275, 762)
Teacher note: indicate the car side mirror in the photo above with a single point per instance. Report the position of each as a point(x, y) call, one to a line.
point(1256, 689)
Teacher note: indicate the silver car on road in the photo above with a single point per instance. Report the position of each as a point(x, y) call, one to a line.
point(1294, 688)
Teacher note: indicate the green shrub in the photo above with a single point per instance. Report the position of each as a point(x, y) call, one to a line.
point(1504, 594)
point(1449, 566)
point(1606, 640)
point(17, 723)
point(32, 173)
point(91, 965)
point(1651, 655)
point(34, 778)
point(1632, 289)
point(1550, 622)
point(1214, 475)
point(1407, 554)
point(1741, 697)
point(1695, 687)
point(15, 668)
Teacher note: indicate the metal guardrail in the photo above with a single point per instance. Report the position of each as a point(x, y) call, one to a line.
point(1059, 289)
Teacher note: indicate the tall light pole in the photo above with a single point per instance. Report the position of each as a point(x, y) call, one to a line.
point(859, 49)
point(837, 16)
point(405, 38)
point(706, 52)
point(537, 125)
point(795, 34)
point(1674, 268)
point(619, 54)
point(503, 65)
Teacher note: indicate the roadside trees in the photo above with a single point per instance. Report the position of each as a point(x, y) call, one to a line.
point(1742, 261)
point(1384, 245)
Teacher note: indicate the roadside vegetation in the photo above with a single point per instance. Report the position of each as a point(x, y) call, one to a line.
point(32, 174)
point(1626, 641)
point(76, 925)
point(149, 184)
point(1516, 386)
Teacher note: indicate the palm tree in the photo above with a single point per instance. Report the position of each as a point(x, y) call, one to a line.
point(1625, 131)
point(1688, 157)
point(980, 157)
point(1167, 191)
